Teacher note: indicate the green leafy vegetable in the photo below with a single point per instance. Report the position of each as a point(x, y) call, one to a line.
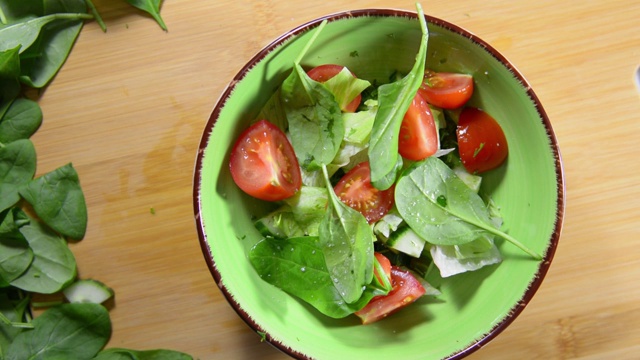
point(462, 219)
point(26, 32)
point(347, 243)
point(17, 167)
point(394, 100)
point(10, 63)
point(345, 87)
point(58, 200)
point(53, 266)
point(67, 331)
point(297, 266)
point(15, 253)
point(21, 120)
point(152, 7)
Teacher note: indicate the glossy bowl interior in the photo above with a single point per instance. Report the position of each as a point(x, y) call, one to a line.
point(474, 307)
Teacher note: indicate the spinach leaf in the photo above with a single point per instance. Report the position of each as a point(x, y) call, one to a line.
point(21, 120)
point(393, 102)
point(17, 167)
point(315, 119)
point(10, 63)
point(58, 200)
point(12, 312)
point(152, 7)
point(45, 56)
point(125, 354)
point(346, 240)
point(461, 218)
point(26, 32)
point(53, 266)
point(298, 267)
point(66, 331)
point(15, 253)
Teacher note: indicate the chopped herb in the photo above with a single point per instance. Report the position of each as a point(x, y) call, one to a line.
point(354, 53)
point(476, 151)
point(442, 200)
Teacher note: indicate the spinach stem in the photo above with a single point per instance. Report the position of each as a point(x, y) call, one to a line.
point(96, 15)
point(310, 42)
point(6, 321)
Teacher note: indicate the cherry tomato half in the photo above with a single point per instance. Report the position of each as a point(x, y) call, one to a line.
point(406, 289)
point(418, 134)
point(481, 141)
point(323, 73)
point(263, 163)
point(355, 190)
point(446, 90)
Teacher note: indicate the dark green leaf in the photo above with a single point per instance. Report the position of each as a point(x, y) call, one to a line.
point(10, 63)
point(16, 11)
point(315, 119)
point(297, 266)
point(17, 167)
point(67, 331)
point(152, 7)
point(58, 200)
point(21, 120)
point(346, 240)
point(126, 354)
point(15, 253)
point(394, 100)
point(53, 266)
point(13, 310)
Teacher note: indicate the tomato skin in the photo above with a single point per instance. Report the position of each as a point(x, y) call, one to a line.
point(418, 137)
point(386, 266)
point(481, 141)
point(355, 190)
point(263, 163)
point(325, 72)
point(406, 289)
point(446, 90)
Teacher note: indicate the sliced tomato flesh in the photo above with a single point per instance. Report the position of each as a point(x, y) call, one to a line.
point(481, 142)
point(446, 90)
point(263, 163)
point(325, 72)
point(418, 138)
point(355, 190)
point(406, 290)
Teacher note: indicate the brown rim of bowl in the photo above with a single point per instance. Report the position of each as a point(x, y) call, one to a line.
point(550, 251)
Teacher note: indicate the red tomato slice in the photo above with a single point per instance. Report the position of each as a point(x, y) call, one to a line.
point(386, 266)
point(481, 141)
point(323, 73)
point(263, 163)
point(418, 134)
point(446, 90)
point(406, 289)
point(355, 190)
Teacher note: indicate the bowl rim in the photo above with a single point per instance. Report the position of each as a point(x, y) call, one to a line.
point(383, 12)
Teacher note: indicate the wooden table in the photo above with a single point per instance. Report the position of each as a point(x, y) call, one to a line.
point(129, 106)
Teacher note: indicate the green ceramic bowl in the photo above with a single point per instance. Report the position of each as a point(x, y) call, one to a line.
point(474, 307)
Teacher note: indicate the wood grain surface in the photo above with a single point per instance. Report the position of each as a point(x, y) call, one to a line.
point(129, 107)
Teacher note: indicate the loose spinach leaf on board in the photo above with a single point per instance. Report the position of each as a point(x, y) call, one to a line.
point(21, 120)
point(44, 58)
point(314, 117)
point(152, 7)
point(53, 266)
point(393, 102)
point(58, 200)
point(17, 167)
point(66, 331)
point(12, 311)
point(460, 219)
point(10, 63)
point(125, 354)
point(26, 32)
point(15, 253)
point(347, 243)
point(297, 266)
